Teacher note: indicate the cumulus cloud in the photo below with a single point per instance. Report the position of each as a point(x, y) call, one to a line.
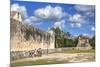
point(87, 10)
point(60, 24)
point(23, 12)
point(85, 13)
point(56, 14)
point(93, 29)
point(14, 7)
point(84, 7)
point(50, 13)
point(85, 34)
point(27, 21)
point(32, 21)
point(76, 20)
point(21, 9)
point(76, 24)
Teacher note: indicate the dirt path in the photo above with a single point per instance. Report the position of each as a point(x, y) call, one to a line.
point(77, 57)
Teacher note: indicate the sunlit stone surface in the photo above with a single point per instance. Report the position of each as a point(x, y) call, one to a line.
point(25, 37)
point(83, 43)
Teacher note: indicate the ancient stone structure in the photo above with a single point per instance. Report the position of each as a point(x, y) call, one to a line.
point(25, 38)
point(83, 43)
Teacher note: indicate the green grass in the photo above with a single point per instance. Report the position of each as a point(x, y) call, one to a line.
point(78, 51)
point(75, 51)
point(37, 62)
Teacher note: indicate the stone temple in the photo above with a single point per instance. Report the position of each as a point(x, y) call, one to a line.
point(24, 37)
point(83, 43)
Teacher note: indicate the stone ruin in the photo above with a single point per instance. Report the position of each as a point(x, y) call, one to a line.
point(83, 43)
point(25, 38)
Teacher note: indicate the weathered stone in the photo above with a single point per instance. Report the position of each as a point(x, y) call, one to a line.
point(83, 43)
point(25, 37)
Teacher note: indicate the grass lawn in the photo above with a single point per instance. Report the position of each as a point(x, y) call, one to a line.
point(78, 51)
point(37, 62)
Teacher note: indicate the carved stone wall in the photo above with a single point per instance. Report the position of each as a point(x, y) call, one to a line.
point(25, 37)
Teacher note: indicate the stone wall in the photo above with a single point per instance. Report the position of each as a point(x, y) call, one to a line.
point(15, 55)
point(25, 37)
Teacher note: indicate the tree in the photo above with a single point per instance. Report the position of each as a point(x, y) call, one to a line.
point(92, 42)
point(59, 37)
point(62, 38)
point(76, 41)
point(67, 35)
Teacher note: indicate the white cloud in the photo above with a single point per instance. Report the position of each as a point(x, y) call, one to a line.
point(72, 25)
point(37, 24)
point(50, 13)
point(93, 29)
point(78, 24)
point(84, 7)
point(85, 34)
point(23, 12)
point(76, 20)
point(27, 21)
point(21, 9)
point(35, 19)
point(84, 13)
point(14, 7)
point(87, 10)
point(60, 24)
point(32, 20)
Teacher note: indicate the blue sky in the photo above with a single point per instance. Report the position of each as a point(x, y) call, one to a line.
point(76, 19)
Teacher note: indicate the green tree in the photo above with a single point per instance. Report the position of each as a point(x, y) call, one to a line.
point(75, 41)
point(59, 37)
point(62, 38)
point(92, 42)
